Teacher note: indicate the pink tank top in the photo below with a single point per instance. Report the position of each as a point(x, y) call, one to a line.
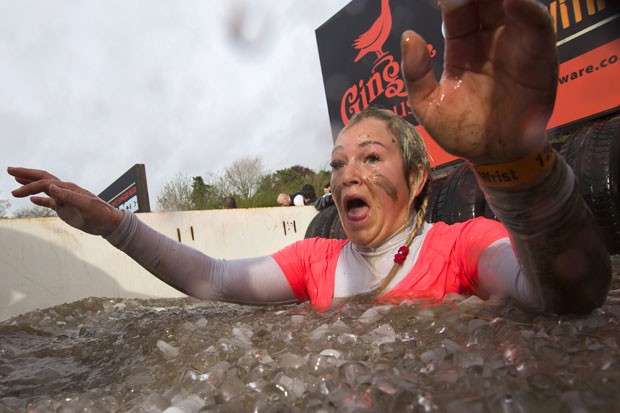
point(447, 263)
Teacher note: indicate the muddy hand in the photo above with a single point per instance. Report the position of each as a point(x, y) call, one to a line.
point(74, 205)
point(498, 85)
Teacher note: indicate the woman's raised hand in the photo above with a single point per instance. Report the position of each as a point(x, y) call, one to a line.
point(73, 204)
point(498, 85)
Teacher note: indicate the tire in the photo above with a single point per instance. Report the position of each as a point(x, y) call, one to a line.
point(436, 186)
point(488, 212)
point(315, 228)
point(594, 155)
point(336, 230)
point(460, 199)
point(573, 145)
point(326, 224)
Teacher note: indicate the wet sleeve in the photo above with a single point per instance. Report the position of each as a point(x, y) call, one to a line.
point(556, 239)
point(500, 275)
point(246, 281)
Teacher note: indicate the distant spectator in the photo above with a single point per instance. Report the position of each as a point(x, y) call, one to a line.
point(229, 202)
point(309, 194)
point(284, 200)
point(289, 200)
point(298, 199)
point(326, 200)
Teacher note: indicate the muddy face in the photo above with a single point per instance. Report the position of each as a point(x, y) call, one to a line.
point(368, 183)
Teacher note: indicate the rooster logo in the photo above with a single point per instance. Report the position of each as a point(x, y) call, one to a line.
point(374, 39)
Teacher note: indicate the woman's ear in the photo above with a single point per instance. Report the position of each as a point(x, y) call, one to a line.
point(417, 179)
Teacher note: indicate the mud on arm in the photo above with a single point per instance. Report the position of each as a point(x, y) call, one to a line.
point(553, 233)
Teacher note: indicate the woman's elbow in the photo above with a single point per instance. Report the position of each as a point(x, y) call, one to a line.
point(580, 281)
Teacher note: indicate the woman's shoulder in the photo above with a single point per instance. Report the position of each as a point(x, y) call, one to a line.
point(320, 242)
point(314, 246)
point(478, 224)
point(479, 232)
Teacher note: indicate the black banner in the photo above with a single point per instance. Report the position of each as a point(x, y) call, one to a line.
point(583, 25)
point(129, 191)
point(359, 49)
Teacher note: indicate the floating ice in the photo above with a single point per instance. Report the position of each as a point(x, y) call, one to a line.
point(184, 356)
point(168, 349)
point(383, 334)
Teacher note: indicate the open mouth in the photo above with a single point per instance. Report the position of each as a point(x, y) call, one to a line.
point(356, 208)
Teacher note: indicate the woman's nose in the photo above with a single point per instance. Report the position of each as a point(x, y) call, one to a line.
point(350, 174)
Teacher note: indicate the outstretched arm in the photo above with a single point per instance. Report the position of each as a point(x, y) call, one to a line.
point(491, 107)
point(74, 205)
point(253, 281)
point(182, 267)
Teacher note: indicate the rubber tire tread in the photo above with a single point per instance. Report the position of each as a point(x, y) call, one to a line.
point(436, 187)
point(321, 225)
point(596, 151)
point(461, 198)
point(572, 146)
point(336, 230)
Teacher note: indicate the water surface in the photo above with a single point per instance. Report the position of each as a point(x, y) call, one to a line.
point(183, 355)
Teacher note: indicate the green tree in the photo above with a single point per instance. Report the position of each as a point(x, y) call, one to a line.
point(288, 180)
point(204, 196)
point(245, 180)
point(319, 180)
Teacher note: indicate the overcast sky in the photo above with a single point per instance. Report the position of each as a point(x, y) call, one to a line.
point(91, 87)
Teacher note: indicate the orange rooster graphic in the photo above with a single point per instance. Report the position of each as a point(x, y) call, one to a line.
point(374, 39)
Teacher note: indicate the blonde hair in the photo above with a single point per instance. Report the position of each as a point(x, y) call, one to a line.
point(412, 147)
point(414, 153)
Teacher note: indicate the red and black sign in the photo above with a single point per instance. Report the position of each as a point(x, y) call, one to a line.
point(588, 34)
point(129, 191)
point(359, 49)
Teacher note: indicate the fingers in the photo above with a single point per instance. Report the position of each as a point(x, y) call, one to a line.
point(44, 202)
point(417, 69)
point(534, 23)
point(33, 188)
point(70, 196)
point(28, 174)
point(460, 18)
point(491, 13)
point(53, 188)
point(34, 181)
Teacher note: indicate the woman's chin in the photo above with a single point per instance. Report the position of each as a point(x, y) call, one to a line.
point(360, 238)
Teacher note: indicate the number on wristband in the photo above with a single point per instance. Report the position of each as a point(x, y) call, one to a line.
point(519, 172)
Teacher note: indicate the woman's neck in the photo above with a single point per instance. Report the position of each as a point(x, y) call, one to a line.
point(390, 244)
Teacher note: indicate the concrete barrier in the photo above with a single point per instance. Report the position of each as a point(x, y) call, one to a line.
point(44, 262)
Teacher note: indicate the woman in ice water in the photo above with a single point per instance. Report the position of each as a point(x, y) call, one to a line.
point(491, 108)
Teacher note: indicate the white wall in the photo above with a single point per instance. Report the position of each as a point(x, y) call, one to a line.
point(44, 262)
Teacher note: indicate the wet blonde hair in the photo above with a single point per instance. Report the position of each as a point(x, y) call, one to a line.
point(412, 148)
point(414, 153)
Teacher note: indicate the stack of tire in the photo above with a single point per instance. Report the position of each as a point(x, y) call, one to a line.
point(326, 224)
point(592, 151)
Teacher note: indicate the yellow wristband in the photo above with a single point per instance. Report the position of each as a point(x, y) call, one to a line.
point(519, 172)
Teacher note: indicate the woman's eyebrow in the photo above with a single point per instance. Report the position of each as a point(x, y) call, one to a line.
point(337, 149)
point(362, 144)
point(370, 142)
